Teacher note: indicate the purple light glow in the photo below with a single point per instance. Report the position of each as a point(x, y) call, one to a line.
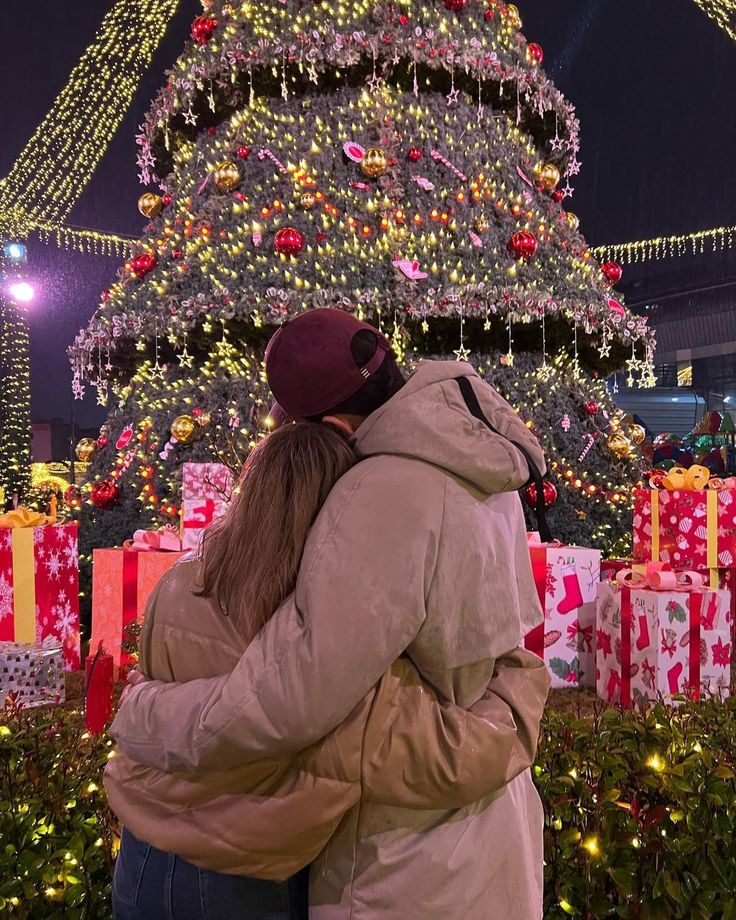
point(22, 291)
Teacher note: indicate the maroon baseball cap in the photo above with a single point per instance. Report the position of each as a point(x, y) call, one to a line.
point(310, 365)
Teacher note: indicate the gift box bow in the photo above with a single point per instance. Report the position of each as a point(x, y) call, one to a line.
point(660, 577)
point(22, 517)
point(694, 479)
point(154, 540)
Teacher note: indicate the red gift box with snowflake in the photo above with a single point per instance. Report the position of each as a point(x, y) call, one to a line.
point(653, 644)
point(39, 587)
point(687, 529)
point(566, 578)
point(206, 491)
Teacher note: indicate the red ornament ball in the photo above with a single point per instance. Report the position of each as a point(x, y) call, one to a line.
point(558, 195)
point(103, 441)
point(143, 264)
point(549, 494)
point(523, 245)
point(414, 154)
point(104, 494)
point(456, 5)
point(197, 411)
point(105, 296)
point(591, 408)
point(202, 29)
point(612, 271)
point(167, 199)
point(73, 497)
point(243, 152)
point(288, 241)
point(321, 236)
point(536, 52)
point(490, 14)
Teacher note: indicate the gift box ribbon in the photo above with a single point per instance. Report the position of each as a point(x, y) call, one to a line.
point(207, 512)
point(22, 517)
point(711, 524)
point(144, 541)
point(660, 578)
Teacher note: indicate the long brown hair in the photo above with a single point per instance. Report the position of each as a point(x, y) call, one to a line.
point(251, 555)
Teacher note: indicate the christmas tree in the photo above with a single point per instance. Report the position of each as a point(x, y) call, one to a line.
point(407, 160)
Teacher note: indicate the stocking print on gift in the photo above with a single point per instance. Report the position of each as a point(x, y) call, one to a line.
point(573, 598)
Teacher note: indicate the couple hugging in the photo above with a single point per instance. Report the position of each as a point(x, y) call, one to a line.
point(334, 719)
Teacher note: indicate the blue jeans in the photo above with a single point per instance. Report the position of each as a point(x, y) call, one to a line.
point(152, 885)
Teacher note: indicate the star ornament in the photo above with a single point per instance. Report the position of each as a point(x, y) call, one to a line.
point(185, 359)
point(453, 96)
point(556, 143)
point(462, 353)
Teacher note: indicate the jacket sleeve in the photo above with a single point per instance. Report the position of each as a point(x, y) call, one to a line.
point(425, 754)
point(359, 602)
point(509, 423)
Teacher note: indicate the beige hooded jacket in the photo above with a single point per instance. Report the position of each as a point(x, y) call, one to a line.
point(421, 548)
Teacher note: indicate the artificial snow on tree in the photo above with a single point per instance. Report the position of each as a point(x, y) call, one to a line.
point(405, 160)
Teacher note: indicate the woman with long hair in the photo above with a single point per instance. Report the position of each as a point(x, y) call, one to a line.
point(239, 842)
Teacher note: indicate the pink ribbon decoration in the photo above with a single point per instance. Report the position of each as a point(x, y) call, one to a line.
point(660, 578)
point(146, 541)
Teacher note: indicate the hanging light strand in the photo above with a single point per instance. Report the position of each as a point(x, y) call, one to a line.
point(58, 161)
point(668, 247)
point(722, 12)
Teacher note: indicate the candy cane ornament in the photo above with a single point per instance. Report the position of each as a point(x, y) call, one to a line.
point(586, 449)
point(265, 152)
point(436, 155)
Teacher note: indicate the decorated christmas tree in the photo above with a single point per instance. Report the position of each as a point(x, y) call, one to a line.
point(407, 160)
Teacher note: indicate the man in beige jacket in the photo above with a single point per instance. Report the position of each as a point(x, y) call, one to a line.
point(421, 548)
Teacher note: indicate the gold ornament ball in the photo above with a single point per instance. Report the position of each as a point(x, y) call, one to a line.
point(548, 176)
point(512, 15)
point(619, 444)
point(149, 204)
point(204, 418)
point(86, 449)
point(482, 224)
point(308, 201)
point(573, 220)
point(183, 427)
point(637, 433)
point(227, 176)
point(374, 163)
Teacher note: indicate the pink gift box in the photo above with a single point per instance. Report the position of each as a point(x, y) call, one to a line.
point(566, 579)
point(206, 492)
point(652, 644)
point(687, 529)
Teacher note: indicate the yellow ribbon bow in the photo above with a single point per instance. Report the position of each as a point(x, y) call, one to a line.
point(22, 517)
point(695, 479)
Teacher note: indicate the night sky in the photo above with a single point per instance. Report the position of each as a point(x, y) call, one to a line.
point(652, 81)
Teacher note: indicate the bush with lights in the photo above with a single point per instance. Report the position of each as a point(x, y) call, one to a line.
point(639, 815)
point(405, 160)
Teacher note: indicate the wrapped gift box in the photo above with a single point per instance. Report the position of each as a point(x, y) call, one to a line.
point(688, 529)
point(566, 579)
point(33, 672)
point(206, 492)
point(656, 643)
point(39, 587)
point(122, 581)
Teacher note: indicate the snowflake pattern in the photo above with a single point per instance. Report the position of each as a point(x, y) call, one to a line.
point(6, 597)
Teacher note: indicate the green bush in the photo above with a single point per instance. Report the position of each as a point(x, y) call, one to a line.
point(640, 812)
point(640, 815)
point(56, 840)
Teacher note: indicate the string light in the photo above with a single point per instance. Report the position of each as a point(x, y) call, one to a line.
point(668, 247)
point(15, 394)
point(58, 161)
point(722, 12)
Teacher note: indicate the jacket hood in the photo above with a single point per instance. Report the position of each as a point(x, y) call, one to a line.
point(428, 420)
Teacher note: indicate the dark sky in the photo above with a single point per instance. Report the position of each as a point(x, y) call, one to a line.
point(652, 81)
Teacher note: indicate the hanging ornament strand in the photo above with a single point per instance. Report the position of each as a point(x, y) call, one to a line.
point(722, 12)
